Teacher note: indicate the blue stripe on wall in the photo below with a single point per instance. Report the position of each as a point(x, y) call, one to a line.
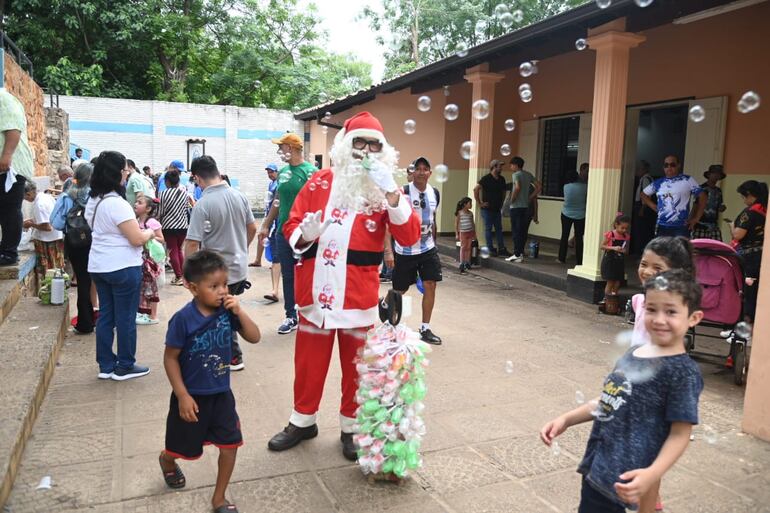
point(259, 134)
point(99, 126)
point(200, 131)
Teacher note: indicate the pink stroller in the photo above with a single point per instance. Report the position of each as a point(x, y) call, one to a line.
point(720, 272)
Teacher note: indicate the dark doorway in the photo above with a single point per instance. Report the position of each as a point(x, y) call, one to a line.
point(662, 132)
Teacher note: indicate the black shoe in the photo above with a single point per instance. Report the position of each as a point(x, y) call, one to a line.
point(348, 446)
point(7, 260)
point(385, 279)
point(429, 337)
point(291, 436)
point(503, 253)
point(493, 252)
point(462, 269)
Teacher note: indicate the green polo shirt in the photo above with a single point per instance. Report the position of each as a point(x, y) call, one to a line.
point(12, 118)
point(289, 187)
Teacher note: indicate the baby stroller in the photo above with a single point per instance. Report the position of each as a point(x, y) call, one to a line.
point(720, 273)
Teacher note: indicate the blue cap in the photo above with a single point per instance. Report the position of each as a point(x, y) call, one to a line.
point(177, 164)
point(272, 167)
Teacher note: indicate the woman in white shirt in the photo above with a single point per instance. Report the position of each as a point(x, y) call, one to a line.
point(115, 264)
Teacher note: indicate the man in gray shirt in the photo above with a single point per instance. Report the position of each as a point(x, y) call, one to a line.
point(222, 221)
point(525, 189)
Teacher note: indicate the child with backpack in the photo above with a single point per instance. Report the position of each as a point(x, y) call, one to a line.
point(145, 209)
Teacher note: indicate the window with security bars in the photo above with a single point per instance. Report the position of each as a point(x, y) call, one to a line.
point(560, 152)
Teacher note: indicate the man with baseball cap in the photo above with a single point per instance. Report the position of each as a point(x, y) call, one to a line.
point(421, 259)
point(176, 164)
point(291, 179)
point(708, 225)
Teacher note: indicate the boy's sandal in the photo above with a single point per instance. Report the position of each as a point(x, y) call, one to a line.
point(174, 479)
point(271, 298)
point(226, 508)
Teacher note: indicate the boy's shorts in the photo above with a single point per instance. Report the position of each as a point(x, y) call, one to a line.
point(407, 267)
point(593, 501)
point(218, 425)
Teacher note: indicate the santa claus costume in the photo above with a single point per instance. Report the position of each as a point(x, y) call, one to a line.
point(338, 224)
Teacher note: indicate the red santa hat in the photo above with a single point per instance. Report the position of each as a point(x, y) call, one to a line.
point(362, 124)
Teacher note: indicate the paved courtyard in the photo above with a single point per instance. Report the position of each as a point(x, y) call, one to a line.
point(99, 441)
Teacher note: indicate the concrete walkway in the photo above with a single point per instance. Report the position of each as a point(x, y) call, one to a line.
point(99, 441)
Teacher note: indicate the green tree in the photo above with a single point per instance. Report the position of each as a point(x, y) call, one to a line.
point(424, 31)
point(238, 52)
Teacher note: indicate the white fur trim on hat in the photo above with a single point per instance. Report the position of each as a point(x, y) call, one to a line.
point(366, 132)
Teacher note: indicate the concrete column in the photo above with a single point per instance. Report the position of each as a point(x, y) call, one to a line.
point(606, 158)
point(481, 129)
point(756, 406)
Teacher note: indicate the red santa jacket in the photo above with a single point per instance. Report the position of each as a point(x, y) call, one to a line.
point(336, 285)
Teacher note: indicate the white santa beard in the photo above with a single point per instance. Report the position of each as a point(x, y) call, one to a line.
point(352, 188)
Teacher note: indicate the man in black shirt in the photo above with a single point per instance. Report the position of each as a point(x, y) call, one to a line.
point(492, 189)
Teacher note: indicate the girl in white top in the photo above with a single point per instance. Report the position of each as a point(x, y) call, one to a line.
point(115, 264)
point(49, 243)
point(465, 232)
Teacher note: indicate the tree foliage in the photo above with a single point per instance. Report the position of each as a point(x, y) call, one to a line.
point(423, 31)
point(234, 52)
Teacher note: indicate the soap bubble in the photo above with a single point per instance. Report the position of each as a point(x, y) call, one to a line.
point(461, 49)
point(743, 330)
point(451, 112)
point(506, 20)
point(526, 69)
point(660, 283)
point(423, 103)
point(749, 101)
point(323, 97)
point(266, 242)
point(555, 448)
point(284, 177)
point(524, 87)
point(518, 16)
point(501, 9)
point(509, 367)
point(446, 90)
point(257, 84)
point(484, 252)
point(697, 114)
point(643, 3)
point(324, 129)
point(581, 44)
point(262, 106)
point(207, 226)
point(312, 186)
point(371, 225)
point(505, 150)
point(327, 115)
point(710, 434)
point(526, 95)
point(324, 184)
point(467, 149)
point(481, 109)
point(410, 126)
point(603, 4)
point(481, 26)
point(580, 398)
point(441, 173)
point(510, 125)
point(410, 168)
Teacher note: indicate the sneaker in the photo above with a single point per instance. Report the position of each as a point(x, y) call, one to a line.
point(237, 364)
point(515, 259)
point(146, 320)
point(137, 371)
point(177, 281)
point(79, 332)
point(462, 269)
point(104, 375)
point(428, 336)
point(385, 279)
point(503, 253)
point(288, 326)
point(726, 333)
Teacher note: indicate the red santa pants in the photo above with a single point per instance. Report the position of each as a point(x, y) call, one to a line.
point(312, 355)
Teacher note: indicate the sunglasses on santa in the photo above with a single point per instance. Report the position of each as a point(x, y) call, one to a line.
point(359, 143)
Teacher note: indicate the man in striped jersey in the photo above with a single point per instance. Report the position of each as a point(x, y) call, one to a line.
point(421, 259)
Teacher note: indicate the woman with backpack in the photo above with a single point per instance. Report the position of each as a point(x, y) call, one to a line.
point(67, 216)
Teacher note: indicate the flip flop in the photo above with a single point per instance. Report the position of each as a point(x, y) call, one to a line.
point(226, 508)
point(174, 479)
point(252, 264)
point(270, 298)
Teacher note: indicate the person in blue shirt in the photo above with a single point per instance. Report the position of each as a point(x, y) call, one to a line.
point(649, 403)
point(674, 192)
point(176, 164)
point(573, 212)
point(197, 361)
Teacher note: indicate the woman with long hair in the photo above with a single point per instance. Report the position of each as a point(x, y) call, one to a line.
point(115, 264)
point(748, 231)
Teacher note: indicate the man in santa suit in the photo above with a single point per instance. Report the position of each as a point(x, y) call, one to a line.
point(338, 224)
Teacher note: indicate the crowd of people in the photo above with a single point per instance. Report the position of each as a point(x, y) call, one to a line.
point(327, 234)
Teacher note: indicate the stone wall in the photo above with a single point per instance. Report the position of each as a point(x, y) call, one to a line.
point(57, 133)
point(21, 85)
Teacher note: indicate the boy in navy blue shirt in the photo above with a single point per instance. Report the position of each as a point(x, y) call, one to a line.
point(649, 403)
point(197, 362)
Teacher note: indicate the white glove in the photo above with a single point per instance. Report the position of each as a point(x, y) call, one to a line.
point(381, 175)
point(312, 227)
